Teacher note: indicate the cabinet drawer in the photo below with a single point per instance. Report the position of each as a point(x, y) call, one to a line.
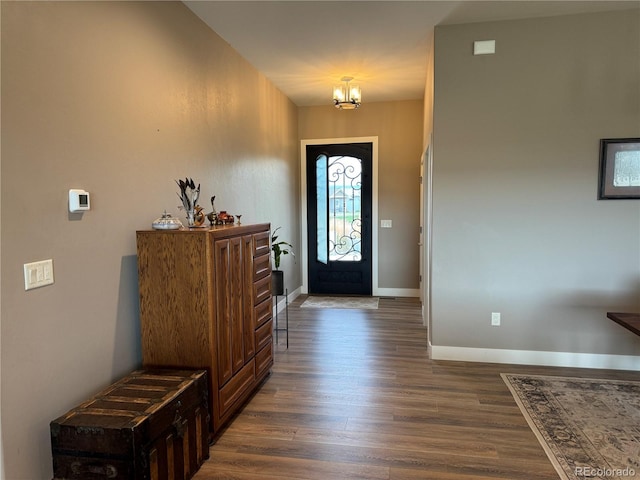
point(261, 244)
point(263, 334)
point(234, 389)
point(264, 360)
point(263, 312)
point(261, 266)
point(261, 290)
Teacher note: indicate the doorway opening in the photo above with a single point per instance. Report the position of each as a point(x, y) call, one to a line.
point(339, 216)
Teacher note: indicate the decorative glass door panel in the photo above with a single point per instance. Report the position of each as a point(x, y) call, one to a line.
point(339, 191)
point(345, 209)
point(322, 215)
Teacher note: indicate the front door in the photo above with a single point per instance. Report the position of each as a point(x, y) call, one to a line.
point(339, 214)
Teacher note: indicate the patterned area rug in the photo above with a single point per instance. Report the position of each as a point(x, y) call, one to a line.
point(588, 428)
point(340, 302)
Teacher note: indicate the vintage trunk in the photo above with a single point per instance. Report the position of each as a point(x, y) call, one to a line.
point(150, 425)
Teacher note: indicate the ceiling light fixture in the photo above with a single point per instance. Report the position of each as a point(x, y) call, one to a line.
point(347, 96)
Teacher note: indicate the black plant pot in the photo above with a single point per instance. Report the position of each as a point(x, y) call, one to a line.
point(277, 282)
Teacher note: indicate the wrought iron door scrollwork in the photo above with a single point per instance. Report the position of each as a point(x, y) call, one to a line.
point(345, 224)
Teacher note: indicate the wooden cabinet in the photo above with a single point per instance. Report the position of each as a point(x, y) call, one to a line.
point(205, 302)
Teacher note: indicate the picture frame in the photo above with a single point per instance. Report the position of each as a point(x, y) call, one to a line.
point(619, 169)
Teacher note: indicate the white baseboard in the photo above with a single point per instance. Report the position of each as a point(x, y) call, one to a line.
point(396, 292)
point(530, 357)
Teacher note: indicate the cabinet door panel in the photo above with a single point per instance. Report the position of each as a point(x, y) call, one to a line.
point(231, 392)
point(248, 326)
point(237, 318)
point(223, 310)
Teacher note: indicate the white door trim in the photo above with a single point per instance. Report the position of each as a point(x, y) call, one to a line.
point(304, 254)
point(426, 217)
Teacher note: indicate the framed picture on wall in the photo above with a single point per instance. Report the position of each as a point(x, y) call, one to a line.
point(619, 168)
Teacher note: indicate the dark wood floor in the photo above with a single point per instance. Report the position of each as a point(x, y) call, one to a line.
point(356, 397)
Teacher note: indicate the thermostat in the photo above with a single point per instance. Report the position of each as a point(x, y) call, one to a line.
point(78, 200)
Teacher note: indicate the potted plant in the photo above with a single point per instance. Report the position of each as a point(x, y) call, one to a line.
point(278, 248)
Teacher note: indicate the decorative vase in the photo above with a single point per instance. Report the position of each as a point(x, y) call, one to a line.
point(191, 218)
point(189, 195)
point(277, 282)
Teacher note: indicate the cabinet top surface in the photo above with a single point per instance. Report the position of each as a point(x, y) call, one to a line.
point(217, 230)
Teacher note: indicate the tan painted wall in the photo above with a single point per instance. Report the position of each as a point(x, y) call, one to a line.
point(398, 126)
point(518, 228)
point(428, 95)
point(121, 99)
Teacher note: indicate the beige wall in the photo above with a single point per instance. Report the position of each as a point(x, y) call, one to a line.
point(428, 95)
point(518, 228)
point(121, 99)
point(398, 126)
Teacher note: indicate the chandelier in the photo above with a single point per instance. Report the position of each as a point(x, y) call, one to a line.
point(347, 96)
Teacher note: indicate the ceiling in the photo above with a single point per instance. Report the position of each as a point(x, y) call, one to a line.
point(306, 47)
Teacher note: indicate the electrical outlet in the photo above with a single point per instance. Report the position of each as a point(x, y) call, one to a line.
point(495, 319)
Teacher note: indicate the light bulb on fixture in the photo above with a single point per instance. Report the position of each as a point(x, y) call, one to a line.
point(347, 96)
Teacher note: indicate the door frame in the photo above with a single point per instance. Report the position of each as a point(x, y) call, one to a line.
point(426, 223)
point(304, 254)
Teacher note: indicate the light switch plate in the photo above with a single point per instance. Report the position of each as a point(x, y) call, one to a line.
point(38, 274)
point(386, 223)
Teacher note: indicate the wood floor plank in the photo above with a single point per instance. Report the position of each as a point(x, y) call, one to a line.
point(237, 466)
point(355, 396)
point(433, 444)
